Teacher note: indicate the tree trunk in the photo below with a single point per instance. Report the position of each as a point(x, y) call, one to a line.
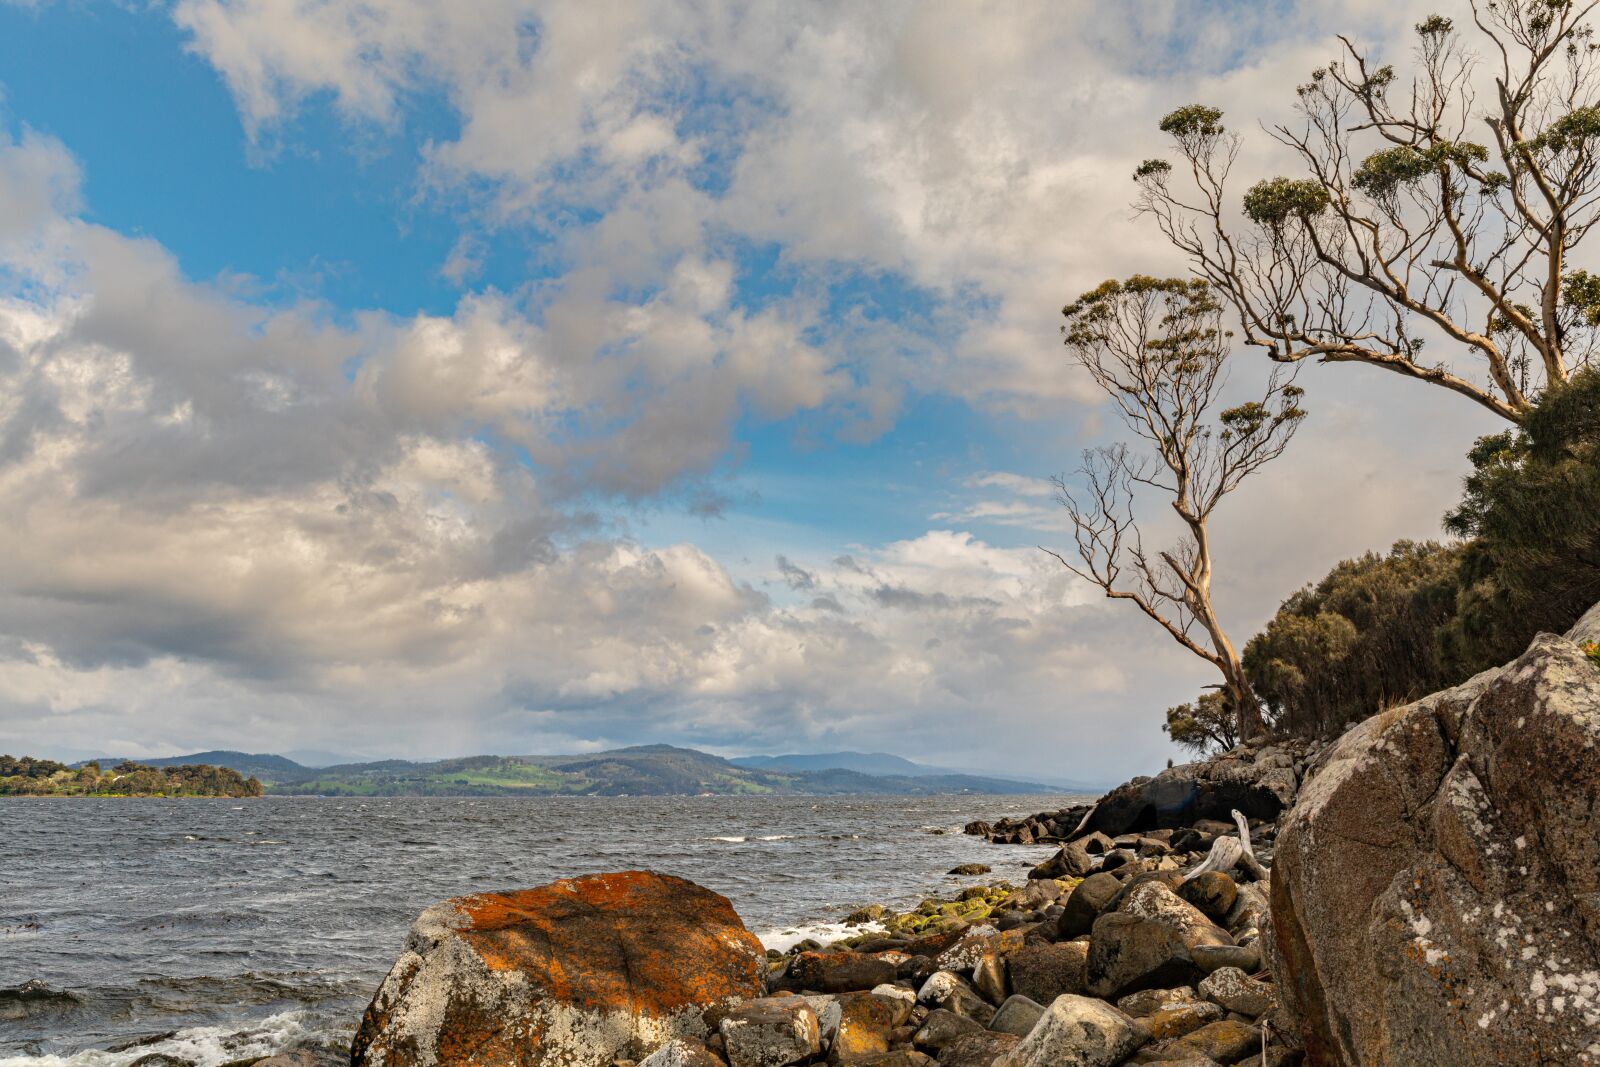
point(1246, 706)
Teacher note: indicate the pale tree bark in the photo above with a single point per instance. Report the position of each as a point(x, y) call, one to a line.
point(1158, 350)
point(1401, 231)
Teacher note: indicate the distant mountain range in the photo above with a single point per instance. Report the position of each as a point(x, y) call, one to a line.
point(884, 763)
point(648, 770)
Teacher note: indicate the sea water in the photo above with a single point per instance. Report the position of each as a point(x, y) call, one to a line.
point(240, 927)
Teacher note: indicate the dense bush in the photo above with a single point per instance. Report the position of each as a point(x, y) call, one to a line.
point(25, 776)
point(1532, 511)
point(1386, 629)
point(1362, 638)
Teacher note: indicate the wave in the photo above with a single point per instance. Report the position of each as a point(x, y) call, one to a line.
point(786, 938)
point(203, 1046)
point(734, 840)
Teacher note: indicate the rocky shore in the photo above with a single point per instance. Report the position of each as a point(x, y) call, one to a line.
point(1424, 890)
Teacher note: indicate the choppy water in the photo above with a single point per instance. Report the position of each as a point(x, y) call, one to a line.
point(246, 925)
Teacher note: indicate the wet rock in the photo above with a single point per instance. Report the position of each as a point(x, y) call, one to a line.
point(1078, 1032)
point(580, 972)
point(1087, 901)
point(683, 1052)
point(1044, 972)
point(771, 1032)
point(942, 1027)
point(1128, 953)
point(160, 1059)
point(1017, 1016)
point(969, 870)
point(1436, 890)
point(1213, 893)
point(1237, 991)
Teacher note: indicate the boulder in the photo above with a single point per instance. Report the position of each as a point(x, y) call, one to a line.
point(989, 977)
point(578, 973)
point(1092, 896)
point(1183, 795)
point(1178, 1019)
point(828, 1015)
point(1237, 991)
point(970, 869)
point(1077, 1032)
point(1210, 958)
point(983, 1049)
point(682, 1052)
point(978, 942)
point(771, 1032)
point(1436, 891)
point(942, 1027)
point(1148, 1001)
point(951, 992)
point(1213, 892)
point(1044, 972)
point(1017, 1016)
point(1153, 900)
point(840, 972)
point(1128, 953)
point(1070, 861)
point(865, 1022)
point(1224, 1041)
point(904, 1057)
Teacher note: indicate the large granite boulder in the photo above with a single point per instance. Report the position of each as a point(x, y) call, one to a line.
point(577, 973)
point(1260, 780)
point(1436, 893)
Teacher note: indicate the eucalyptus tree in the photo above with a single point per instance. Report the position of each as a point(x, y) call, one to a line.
point(1439, 210)
point(1158, 349)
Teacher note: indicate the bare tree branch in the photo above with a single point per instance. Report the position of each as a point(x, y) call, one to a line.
point(1401, 230)
point(1158, 350)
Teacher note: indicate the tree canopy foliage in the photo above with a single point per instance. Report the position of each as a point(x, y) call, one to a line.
point(26, 776)
point(1532, 513)
point(1386, 629)
point(1436, 211)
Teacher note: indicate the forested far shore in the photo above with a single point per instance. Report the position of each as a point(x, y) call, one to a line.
point(28, 777)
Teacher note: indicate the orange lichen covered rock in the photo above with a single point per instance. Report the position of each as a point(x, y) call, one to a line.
point(573, 974)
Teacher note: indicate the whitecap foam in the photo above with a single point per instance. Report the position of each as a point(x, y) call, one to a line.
point(776, 837)
point(204, 1046)
point(786, 938)
point(731, 840)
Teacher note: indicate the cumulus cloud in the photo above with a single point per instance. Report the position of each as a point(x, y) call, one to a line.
point(262, 524)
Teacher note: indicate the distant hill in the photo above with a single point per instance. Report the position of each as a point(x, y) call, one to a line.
point(261, 765)
point(645, 770)
point(886, 764)
point(863, 762)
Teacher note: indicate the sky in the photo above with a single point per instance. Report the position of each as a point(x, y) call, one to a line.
point(408, 379)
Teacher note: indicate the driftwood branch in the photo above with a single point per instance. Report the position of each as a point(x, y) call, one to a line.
point(1230, 852)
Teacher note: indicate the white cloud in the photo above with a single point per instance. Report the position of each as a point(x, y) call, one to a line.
point(270, 526)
